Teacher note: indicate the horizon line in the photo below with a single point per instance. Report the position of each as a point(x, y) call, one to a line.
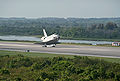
point(58, 17)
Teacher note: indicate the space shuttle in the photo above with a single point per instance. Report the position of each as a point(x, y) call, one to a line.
point(49, 40)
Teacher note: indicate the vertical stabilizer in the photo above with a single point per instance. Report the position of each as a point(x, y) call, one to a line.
point(45, 34)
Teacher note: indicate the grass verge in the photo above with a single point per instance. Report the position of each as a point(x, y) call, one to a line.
point(104, 45)
point(34, 55)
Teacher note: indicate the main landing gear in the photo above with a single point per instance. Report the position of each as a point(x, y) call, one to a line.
point(44, 45)
point(52, 45)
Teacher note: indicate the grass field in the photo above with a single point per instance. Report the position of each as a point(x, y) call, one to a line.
point(16, 41)
point(34, 55)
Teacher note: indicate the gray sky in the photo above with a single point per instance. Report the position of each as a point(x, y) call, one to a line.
point(59, 8)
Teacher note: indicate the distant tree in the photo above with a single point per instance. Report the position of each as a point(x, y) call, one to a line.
point(100, 26)
point(110, 26)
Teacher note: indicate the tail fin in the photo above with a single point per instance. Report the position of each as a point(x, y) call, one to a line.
point(45, 34)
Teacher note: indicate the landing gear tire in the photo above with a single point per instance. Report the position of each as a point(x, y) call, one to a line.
point(44, 45)
point(53, 46)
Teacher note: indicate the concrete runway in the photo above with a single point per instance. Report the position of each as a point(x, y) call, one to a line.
point(82, 50)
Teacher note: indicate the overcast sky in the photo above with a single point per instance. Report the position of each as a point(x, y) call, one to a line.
point(59, 8)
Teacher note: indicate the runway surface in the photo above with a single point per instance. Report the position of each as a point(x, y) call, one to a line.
point(63, 49)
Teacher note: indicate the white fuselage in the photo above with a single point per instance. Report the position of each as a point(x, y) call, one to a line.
point(52, 37)
point(47, 40)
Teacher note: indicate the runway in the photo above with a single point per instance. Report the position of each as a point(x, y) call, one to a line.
point(81, 50)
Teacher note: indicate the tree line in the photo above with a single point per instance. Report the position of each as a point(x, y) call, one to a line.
point(70, 28)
